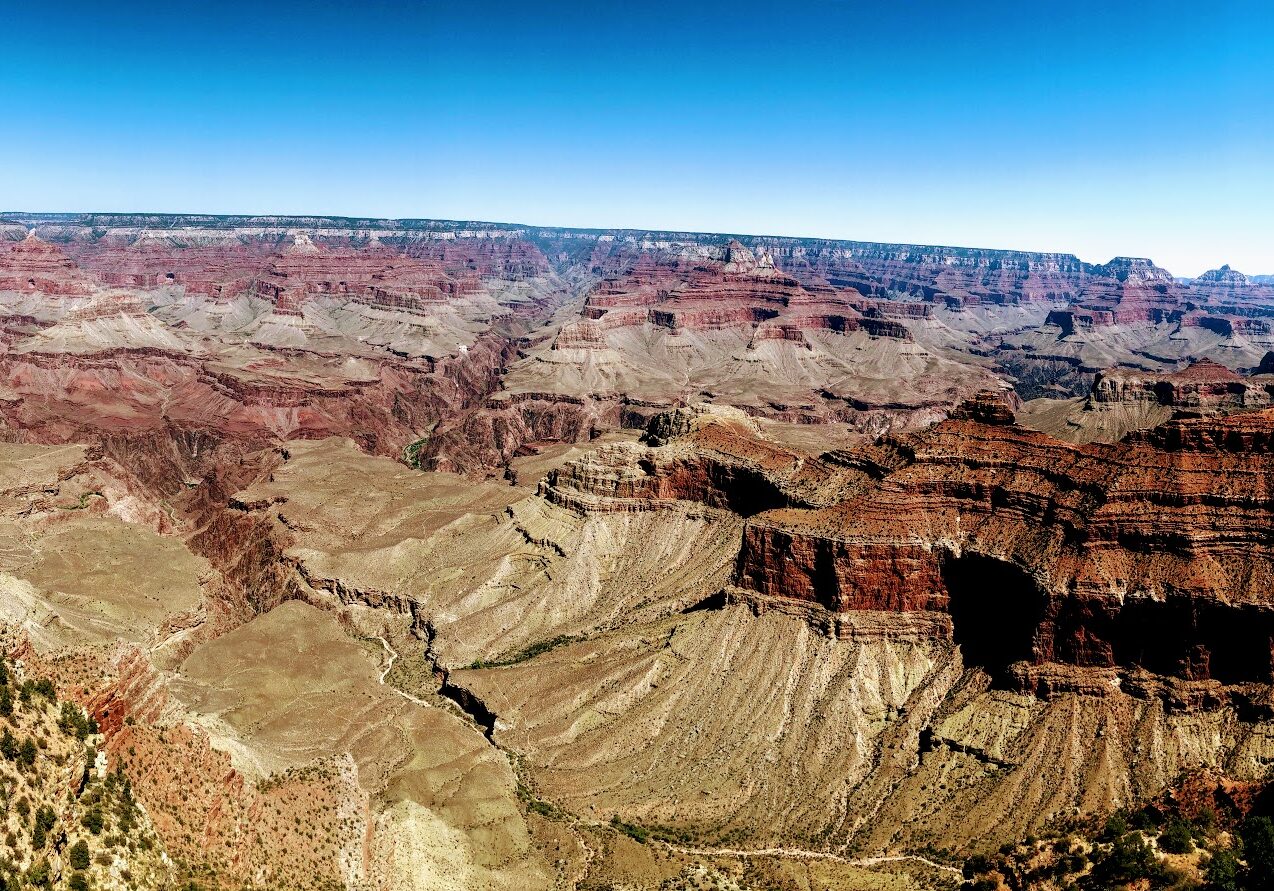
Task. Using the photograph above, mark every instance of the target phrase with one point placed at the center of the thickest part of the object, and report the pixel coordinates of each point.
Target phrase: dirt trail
(384, 672)
(801, 854)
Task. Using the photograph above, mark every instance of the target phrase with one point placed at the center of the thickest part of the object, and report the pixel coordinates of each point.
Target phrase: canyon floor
(408, 554)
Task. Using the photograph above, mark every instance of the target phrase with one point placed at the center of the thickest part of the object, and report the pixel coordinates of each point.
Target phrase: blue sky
(1094, 128)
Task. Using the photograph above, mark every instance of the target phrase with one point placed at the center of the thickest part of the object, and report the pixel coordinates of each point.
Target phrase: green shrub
(1128, 860)
(73, 722)
(44, 821)
(1258, 850)
(27, 753)
(38, 875)
(1116, 826)
(1223, 872)
(1175, 838)
(632, 830)
(527, 653)
(976, 865)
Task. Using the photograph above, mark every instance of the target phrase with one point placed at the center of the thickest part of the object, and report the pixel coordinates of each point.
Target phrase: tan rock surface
(293, 688)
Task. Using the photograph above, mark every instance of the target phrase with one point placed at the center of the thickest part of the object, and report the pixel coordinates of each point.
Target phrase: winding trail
(384, 672)
(802, 854)
(393, 657)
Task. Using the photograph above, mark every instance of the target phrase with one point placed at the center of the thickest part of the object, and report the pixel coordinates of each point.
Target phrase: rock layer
(1147, 554)
(1150, 554)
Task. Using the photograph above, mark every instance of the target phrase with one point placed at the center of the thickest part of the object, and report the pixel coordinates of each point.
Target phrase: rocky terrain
(69, 821)
(377, 554)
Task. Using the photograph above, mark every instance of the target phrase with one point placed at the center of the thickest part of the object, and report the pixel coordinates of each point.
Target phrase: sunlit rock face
(34, 266)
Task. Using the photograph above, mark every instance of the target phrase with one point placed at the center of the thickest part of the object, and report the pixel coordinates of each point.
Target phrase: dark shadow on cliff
(996, 609)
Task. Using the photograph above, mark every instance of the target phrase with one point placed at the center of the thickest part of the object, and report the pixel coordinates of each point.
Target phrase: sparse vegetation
(1153, 849)
(46, 825)
(527, 653)
(82, 503)
(74, 721)
(537, 805)
(411, 454)
(645, 833)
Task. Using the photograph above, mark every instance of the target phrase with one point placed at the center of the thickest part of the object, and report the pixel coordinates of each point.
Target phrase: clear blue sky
(1095, 128)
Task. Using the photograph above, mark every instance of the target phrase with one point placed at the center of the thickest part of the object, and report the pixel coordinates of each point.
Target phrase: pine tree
(79, 855)
(27, 753)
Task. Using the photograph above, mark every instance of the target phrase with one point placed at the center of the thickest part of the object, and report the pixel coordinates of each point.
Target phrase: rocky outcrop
(1132, 291)
(1150, 555)
(374, 275)
(510, 258)
(507, 425)
(1125, 291)
(952, 277)
(131, 392)
(988, 407)
(1231, 288)
(685, 288)
(1147, 554)
(707, 454)
(35, 266)
(383, 336)
(1123, 400)
(218, 270)
(1204, 387)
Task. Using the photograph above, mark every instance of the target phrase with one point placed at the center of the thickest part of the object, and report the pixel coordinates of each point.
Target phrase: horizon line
(599, 230)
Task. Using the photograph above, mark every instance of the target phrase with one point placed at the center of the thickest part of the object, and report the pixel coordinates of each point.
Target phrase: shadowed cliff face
(996, 609)
(1179, 637)
(1000, 615)
(1150, 554)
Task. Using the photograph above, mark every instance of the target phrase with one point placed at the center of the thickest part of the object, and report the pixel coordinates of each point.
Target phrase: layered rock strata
(1150, 554)
(706, 289)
